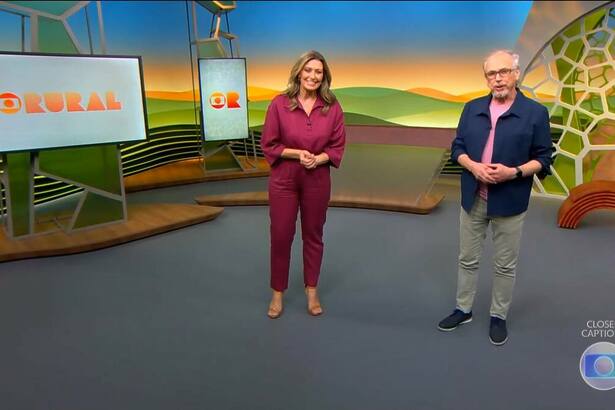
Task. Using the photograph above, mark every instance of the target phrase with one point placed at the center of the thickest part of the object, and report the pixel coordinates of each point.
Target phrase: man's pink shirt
(496, 110)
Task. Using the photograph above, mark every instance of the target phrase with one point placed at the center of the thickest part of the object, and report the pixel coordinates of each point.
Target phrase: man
(503, 139)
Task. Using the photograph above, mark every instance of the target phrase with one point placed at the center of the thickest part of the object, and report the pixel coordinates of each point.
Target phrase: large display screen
(224, 102)
(51, 101)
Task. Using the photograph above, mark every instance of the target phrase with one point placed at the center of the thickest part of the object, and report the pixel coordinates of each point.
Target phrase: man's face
(501, 75)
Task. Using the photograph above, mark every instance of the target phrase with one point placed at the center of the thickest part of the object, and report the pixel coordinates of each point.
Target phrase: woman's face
(311, 75)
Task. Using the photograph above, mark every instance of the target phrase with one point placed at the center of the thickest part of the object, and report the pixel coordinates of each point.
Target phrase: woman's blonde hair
(294, 84)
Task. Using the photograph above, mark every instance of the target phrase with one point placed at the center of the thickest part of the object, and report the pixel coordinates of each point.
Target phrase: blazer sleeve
(542, 147)
(458, 146)
(337, 142)
(271, 142)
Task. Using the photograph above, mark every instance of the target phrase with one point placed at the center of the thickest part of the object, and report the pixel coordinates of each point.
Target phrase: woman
(303, 134)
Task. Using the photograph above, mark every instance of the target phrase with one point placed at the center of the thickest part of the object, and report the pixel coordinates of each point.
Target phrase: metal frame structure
(34, 169)
(218, 10)
(34, 14)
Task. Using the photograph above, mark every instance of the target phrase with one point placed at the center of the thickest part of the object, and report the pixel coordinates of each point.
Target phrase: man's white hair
(511, 53)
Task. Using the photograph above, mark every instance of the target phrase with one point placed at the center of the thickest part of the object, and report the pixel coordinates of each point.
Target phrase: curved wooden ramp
(143, 220)
(424, 206)
(190, 171)
(583, 199)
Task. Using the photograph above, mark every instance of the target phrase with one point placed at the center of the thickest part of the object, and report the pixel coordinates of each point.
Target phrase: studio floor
(178, 320)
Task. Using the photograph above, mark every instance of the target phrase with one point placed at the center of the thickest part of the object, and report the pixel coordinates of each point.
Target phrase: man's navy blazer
(521, 134)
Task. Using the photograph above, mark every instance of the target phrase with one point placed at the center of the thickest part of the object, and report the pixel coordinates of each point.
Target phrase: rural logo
(34, 103)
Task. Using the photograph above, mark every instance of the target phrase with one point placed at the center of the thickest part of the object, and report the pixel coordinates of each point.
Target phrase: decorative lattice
(574, 76)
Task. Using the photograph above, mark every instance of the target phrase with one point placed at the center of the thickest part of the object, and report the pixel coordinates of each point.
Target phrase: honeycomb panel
(574, 75)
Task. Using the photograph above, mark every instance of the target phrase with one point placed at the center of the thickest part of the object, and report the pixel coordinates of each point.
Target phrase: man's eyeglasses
(503, 72)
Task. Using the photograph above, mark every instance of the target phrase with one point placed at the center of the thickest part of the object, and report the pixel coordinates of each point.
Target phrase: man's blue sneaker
(455, 319)
(497, 331)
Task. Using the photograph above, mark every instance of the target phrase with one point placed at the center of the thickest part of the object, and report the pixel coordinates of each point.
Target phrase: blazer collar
(515, 109)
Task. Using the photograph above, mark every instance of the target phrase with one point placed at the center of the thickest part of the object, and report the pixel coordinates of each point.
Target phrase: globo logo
(54, 102)
(220, 100)
(9, 103)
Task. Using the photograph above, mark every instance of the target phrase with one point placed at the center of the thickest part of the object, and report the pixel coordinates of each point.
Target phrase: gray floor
(177, 321)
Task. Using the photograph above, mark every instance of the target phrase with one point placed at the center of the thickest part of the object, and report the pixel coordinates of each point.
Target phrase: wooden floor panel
(189, 172)
(143, 220)
(425, 205)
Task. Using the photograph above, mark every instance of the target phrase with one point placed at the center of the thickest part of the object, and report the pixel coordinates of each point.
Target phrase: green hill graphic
(384, 106)
(362, 106)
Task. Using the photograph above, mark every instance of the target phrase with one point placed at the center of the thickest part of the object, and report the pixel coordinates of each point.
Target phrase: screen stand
(95, 201)
(250, 162)
(220, 159)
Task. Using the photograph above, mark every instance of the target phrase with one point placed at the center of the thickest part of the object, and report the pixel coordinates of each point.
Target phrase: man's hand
(482, 172)
(500, 173)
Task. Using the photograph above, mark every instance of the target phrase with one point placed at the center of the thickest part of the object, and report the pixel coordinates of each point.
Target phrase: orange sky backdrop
(458, 78)
(167, 76)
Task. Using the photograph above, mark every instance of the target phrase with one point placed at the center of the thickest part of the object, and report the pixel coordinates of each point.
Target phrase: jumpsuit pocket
(321, 177)
(282, 176)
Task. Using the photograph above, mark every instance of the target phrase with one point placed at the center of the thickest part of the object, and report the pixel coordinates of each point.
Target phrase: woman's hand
(319, 159)
(307, 159)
